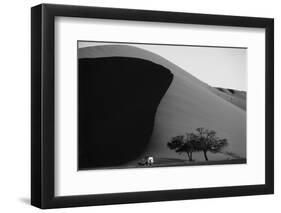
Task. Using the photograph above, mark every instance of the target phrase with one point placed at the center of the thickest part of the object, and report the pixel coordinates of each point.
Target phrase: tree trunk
(205, 155)
(189, 154)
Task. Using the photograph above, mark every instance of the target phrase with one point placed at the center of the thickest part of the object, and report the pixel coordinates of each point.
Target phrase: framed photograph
(140, 106)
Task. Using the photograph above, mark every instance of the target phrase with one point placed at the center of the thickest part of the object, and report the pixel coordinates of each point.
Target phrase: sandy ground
(170, 162)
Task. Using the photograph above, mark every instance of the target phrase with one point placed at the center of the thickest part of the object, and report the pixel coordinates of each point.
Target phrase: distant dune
(235, 97)
(188, 104)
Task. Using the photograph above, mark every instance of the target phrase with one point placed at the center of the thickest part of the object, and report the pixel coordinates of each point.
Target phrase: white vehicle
(147, 161)
(150, 160)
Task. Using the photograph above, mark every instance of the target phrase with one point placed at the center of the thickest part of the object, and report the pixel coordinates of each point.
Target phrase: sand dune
(118, 99)
(188, 103)
(235, 97)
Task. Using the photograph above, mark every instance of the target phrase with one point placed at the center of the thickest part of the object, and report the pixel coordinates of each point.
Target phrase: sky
(216, 66)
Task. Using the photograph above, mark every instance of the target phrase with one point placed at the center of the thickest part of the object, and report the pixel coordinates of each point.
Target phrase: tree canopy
(202, 140)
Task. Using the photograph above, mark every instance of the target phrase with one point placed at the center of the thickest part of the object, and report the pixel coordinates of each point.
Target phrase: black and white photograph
(150, 105)
(143, 105)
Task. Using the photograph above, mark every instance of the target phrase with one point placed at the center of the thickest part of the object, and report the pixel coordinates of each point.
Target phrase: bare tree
(180, 144)
(209, 141)
(202, 140)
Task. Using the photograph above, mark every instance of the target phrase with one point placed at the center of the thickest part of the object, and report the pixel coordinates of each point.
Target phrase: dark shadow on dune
(118, 99)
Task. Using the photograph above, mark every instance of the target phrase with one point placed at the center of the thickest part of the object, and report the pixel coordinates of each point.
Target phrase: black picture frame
(43, 101)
